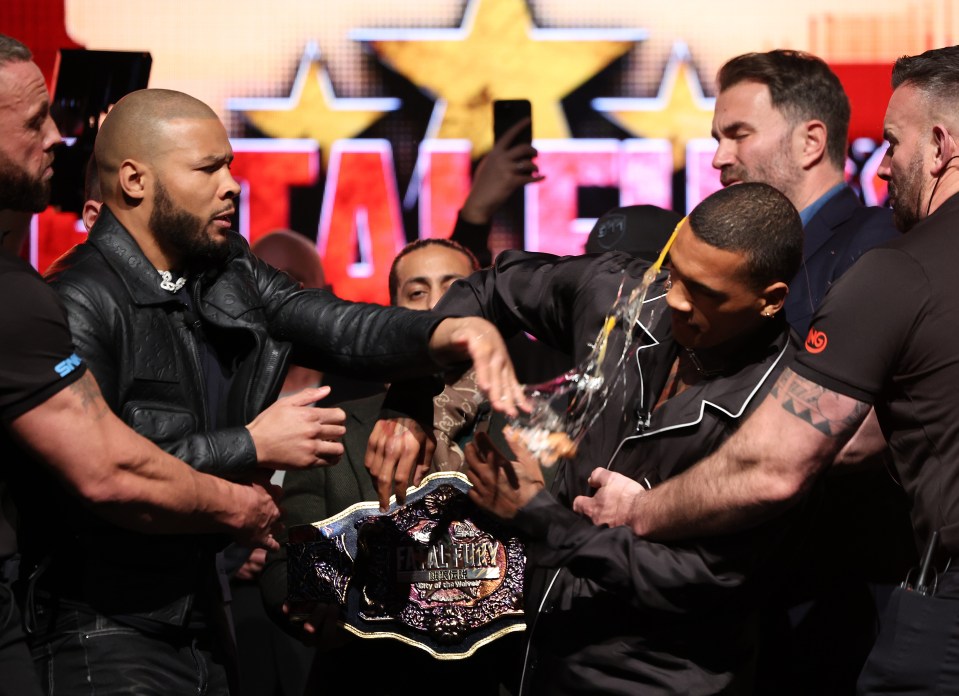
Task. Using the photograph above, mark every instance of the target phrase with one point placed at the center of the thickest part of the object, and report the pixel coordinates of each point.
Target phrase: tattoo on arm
(91, 400)
(828, 412)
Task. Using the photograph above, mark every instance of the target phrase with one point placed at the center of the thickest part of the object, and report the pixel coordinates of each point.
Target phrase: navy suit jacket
(837, 235)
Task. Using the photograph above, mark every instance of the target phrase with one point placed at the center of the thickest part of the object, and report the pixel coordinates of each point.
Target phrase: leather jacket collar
(127, 260)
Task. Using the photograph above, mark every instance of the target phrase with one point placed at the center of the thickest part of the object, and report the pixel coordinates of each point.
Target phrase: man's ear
(773, 298)
(91, 211)
(814, 142)
(132, 179)
(946, 149)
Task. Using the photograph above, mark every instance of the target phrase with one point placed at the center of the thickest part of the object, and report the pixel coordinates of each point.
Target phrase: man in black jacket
(607, 611)
(189, 336)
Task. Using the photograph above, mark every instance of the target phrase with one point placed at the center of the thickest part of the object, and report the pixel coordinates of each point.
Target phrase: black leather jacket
(140, 341)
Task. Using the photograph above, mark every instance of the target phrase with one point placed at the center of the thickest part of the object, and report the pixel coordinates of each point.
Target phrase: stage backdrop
(359, 123)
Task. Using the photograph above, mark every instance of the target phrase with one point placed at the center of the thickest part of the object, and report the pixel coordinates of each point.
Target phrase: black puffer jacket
(140, 341)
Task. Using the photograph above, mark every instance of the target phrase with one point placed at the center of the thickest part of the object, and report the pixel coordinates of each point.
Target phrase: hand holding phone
(508, 165)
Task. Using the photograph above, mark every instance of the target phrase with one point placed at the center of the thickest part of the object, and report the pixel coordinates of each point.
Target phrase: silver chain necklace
(166, 281)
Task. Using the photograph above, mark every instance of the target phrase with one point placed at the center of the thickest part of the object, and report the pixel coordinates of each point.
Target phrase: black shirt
(36, 351)
(888, 334)
(36, 357)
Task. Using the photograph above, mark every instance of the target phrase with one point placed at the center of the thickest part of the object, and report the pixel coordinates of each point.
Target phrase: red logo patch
(816, 341)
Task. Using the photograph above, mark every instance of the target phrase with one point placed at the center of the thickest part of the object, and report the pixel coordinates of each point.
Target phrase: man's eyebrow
(705, 289)
(693, 284)
(729, 128)
(426, 280)
(39, 114)
(215, 159)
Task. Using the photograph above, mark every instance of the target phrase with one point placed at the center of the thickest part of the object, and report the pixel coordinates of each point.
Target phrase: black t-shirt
(36, 357)
(36, 352)
(888, 334)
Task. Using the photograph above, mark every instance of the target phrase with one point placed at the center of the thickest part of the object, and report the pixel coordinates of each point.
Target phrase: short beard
(904, 216)
(20, 192)
(182, 233)
(780, 172)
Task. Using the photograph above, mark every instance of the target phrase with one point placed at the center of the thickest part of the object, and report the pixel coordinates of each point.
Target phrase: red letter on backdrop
(361, 229)
(266, 168)
(52, 234)
(641, 169)
(646, 172)
(444, 174)
(552, 224)
(701, 179)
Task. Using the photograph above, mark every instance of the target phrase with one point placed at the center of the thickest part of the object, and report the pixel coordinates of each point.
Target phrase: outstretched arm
(674, 578)
(762, 469)
(129, 480)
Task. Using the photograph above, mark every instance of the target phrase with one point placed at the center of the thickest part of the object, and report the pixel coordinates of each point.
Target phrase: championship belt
(435, 573)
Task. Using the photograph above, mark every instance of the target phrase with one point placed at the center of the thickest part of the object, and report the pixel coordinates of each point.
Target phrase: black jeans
(81, 653)
(18, 677)
(917, 652)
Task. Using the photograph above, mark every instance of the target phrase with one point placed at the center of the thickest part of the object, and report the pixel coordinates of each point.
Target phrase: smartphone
(506, 113)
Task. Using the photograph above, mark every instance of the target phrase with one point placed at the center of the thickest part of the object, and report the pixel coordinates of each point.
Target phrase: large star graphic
(497, 53)
(678, 113)
(313, 110)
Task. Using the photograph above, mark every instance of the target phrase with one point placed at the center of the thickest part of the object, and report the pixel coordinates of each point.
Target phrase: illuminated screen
(358, 124)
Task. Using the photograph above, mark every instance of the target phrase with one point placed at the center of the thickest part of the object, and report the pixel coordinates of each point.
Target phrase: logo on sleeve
(816, 341)
(65, 367)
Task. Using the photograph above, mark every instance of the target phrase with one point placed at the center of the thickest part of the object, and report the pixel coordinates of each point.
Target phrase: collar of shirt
(807, 213)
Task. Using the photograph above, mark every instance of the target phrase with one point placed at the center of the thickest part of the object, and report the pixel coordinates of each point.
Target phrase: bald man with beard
(189, 336)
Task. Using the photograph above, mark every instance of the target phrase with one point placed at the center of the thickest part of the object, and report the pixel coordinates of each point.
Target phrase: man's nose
(724, 154)
(884, 171)
(51, 134)
(231, 187)
(677, 299)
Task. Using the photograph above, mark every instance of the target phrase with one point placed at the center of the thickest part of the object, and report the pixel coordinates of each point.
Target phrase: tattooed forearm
(91, 400)
(830, 413)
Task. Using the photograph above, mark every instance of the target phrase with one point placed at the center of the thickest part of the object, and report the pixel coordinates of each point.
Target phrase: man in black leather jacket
(189, 336)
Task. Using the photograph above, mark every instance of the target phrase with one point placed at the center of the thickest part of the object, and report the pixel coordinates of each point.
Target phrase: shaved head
(292, 253)
(164, 161)
(136, 129)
